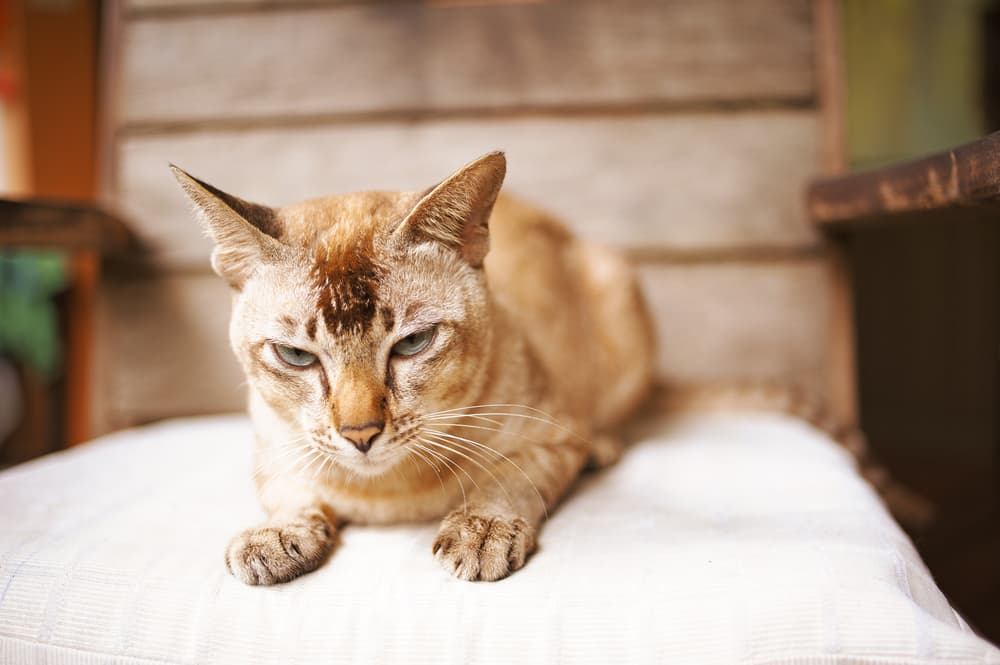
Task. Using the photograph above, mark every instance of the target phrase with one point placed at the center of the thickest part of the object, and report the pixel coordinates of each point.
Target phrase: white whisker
(445, 446)
(552, 423)
(493, 406)
(498, 430)
(444, 460)
(429, 463)
(541, 499)
(314, 456)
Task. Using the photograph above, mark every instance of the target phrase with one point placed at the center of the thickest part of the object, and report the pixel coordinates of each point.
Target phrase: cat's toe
(479, 547)
(275, 554)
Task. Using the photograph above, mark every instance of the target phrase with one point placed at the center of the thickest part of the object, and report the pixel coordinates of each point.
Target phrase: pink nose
(362, 437)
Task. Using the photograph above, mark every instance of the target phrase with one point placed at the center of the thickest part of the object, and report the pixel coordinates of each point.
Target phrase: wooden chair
(697, 173)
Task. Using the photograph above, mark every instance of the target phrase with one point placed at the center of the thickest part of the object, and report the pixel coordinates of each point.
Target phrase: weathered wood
(166, 7)
(85, 273)
(742, 321)
(159, 7)
(828, 30)
(842, 370)
(965, 176)
(422, 57)
(165, 350)
(841, 359)
(687, 181)
(166, 347)
(40, 224)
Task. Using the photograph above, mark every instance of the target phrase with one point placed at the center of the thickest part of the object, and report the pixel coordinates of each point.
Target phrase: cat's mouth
(375, 462)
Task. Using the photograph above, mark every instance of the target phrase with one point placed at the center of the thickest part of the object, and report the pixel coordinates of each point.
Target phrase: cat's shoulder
(517, 220)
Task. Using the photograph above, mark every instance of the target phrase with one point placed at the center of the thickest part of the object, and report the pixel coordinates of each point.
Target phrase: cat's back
(580, 306)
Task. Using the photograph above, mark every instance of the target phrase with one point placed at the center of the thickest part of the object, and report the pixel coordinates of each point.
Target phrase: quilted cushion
(733, 538)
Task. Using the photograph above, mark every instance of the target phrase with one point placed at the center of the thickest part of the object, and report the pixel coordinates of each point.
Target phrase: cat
(452, 354)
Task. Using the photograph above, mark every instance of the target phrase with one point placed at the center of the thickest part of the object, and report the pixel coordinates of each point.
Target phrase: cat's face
(354, 316)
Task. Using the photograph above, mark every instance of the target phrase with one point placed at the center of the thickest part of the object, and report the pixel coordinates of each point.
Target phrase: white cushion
(718, 539)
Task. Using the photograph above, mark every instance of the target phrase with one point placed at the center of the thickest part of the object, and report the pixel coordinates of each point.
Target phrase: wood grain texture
(685, 181)
(417, 56)
(743, 321)
(831, 93)
(171, 355)
(166, 350)
(146, 6)
(965, 176)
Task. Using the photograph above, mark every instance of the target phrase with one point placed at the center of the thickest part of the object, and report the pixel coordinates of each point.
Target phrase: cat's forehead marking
(342, 233)
(388, 318)
(345, 277)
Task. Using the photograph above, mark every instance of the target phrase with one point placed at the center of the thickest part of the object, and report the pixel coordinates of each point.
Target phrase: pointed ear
(245, 234)
(456, 213)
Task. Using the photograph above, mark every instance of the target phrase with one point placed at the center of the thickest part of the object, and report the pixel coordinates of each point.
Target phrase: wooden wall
(682, 131)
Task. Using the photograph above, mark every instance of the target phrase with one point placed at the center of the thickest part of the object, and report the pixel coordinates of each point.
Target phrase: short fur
(542, 347)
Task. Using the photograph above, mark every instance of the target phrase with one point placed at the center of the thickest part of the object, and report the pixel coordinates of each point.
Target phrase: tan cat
(417, 355)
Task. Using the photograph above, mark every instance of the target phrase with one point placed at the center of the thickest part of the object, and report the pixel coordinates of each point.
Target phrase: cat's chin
(369, 468)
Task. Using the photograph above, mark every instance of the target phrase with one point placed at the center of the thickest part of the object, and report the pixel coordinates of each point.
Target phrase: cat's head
(354, 315)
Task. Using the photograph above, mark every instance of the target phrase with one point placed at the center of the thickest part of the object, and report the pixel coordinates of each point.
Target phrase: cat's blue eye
(413, 344)
(294, 357)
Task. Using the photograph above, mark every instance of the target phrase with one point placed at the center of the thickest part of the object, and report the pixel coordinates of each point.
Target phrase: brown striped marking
(346, 278)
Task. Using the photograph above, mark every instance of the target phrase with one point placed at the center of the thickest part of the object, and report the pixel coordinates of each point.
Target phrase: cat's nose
(362, 436)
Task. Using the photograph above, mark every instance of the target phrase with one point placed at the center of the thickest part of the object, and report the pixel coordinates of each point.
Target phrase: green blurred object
(914, 77)
(29, 322)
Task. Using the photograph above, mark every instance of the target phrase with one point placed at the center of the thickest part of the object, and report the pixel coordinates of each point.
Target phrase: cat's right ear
(456, 213)
(245, 234)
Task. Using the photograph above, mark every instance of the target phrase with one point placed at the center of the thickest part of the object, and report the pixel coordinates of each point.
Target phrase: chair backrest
(682, 132)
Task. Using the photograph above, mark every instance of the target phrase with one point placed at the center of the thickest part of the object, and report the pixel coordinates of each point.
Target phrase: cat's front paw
(483, 547)
(281, 552)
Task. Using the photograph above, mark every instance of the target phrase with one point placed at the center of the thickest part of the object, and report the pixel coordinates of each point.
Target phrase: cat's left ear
(246, 234)
(456, 212)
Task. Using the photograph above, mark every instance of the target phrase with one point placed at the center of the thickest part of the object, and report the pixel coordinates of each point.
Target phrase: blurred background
(682, 131)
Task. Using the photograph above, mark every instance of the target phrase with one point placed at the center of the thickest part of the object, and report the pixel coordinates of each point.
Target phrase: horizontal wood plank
(418, 57)
(688, 181)
(742, 320)
(167, 350)
(140, 7)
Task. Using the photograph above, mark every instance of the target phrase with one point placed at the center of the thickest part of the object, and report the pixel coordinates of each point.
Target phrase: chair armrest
(967, 177)
(87, 235)
(46, 225)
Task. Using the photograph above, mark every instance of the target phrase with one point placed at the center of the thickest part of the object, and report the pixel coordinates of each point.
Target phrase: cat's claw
(279, 553)
(482, 547)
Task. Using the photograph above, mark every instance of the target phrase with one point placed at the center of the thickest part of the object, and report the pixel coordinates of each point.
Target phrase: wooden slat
(171, 356)
(166, 351)
(842, 360)
(143, 7)
(830, 93)
(426, 57)
(688, 182)
(42, 224)
(742, 321)
(965, 176)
